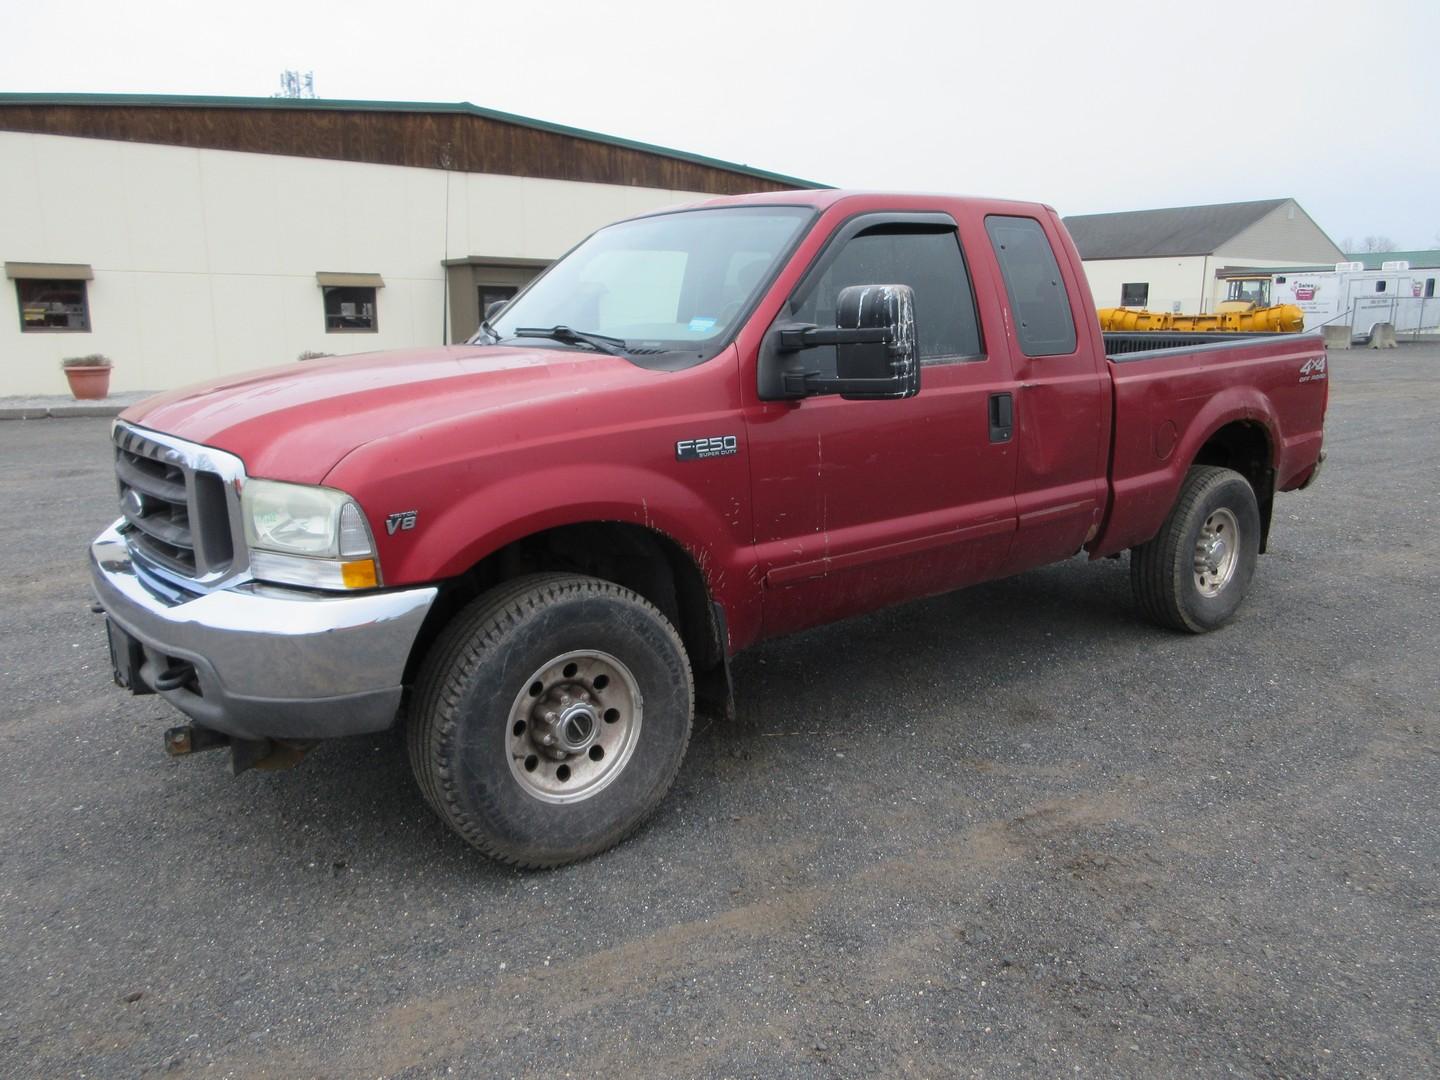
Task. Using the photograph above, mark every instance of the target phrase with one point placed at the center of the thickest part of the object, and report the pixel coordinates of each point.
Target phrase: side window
(1043, 322)
(929, 260)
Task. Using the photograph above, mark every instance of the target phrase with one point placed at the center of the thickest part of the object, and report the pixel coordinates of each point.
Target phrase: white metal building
(1176, 259)
(190, 237)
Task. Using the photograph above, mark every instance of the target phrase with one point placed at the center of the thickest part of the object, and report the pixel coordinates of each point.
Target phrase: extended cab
(699, 429)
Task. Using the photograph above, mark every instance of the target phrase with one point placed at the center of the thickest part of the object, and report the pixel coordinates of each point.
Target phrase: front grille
(176, 510)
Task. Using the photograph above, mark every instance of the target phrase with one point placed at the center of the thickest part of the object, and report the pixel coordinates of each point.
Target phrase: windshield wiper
(614, 346)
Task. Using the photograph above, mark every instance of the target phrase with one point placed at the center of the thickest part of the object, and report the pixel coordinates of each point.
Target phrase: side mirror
(494, 308)
(876, 352)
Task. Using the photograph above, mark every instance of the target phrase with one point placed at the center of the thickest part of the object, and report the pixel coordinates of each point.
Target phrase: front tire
(551, 718)
(1195, 573)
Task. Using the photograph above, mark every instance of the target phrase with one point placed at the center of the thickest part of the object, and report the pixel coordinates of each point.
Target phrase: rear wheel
(551, 717)
(1195, 573)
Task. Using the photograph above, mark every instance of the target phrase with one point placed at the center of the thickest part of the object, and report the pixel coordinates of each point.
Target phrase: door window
(929, 260)
(1043, 323)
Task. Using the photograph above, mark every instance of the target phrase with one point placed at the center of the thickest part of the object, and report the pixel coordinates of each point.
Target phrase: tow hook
(173, 678)
(245, 754)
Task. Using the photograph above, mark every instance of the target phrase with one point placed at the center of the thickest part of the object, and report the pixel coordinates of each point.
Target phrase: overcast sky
(1087, 106)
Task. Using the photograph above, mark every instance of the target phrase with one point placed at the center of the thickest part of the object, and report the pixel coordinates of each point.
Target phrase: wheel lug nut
(548, 739)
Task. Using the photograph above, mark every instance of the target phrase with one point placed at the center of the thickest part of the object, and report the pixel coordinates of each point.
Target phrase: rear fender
(1145, 484)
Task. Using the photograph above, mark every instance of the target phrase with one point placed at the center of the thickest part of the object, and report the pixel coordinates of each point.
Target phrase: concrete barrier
(1382, 336)
(1337, 337)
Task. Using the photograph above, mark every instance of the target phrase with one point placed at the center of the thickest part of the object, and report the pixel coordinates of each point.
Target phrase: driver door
(859, 504)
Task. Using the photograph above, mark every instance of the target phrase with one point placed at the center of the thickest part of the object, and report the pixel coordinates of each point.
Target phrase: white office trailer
(189, 237)
(1350, 295)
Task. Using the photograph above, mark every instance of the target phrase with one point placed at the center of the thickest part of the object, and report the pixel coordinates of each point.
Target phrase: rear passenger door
(864, 503)
(1062, 425)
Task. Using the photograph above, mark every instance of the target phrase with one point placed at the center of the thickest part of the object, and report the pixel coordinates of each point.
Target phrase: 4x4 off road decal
(714, 446)
(1313, 370)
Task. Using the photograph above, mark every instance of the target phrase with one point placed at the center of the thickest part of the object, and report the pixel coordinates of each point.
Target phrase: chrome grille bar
(180, 502)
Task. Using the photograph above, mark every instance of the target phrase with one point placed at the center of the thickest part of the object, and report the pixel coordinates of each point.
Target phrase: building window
(350, 308)
(350, 304)
(1379, 286)
(1136, 294)
(1429, 287)
(47, 304)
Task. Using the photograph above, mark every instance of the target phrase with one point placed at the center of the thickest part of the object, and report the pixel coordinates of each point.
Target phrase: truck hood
(296, 422)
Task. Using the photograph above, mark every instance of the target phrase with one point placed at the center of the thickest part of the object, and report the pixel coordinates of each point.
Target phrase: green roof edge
(347, 105)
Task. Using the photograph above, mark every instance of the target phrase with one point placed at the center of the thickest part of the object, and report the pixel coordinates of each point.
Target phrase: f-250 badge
(1313, 370)
(714, 446)
(403, 520)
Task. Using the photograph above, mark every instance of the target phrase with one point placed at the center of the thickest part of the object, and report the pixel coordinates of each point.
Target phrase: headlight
(299, 534)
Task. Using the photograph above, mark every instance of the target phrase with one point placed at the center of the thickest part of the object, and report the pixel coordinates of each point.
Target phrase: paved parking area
(1010, 832)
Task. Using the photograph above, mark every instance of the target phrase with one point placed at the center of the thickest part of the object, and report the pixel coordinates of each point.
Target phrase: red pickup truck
(698, 429)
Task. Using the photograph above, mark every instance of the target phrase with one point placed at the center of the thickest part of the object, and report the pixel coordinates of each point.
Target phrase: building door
(494, 294)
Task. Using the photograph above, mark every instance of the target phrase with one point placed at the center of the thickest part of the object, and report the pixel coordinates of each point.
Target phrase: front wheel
(551, 717)
(1194, 574)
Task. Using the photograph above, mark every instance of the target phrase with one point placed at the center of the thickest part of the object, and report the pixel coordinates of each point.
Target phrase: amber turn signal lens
(359, 574)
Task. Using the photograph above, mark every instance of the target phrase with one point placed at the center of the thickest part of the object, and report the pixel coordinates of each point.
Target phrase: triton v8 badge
(715, 446)
(404, 520)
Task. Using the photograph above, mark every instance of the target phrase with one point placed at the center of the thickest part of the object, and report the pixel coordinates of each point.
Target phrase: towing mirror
(876, 356)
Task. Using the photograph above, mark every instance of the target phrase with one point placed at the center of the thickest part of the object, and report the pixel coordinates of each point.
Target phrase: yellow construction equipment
(1234, 315)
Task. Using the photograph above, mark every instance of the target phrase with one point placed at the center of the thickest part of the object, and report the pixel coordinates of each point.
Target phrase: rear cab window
(1044, 324)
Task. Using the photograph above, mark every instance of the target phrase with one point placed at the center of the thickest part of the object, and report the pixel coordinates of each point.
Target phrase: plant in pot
(89, 376)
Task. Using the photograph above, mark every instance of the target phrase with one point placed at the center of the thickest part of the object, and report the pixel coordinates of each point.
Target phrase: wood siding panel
(430, 140)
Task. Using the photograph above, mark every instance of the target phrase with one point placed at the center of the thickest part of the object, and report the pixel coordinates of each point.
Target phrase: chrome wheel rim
(1217, 551)
(574, 726)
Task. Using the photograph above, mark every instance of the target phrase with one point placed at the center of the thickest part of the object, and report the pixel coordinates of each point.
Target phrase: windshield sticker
(701, 323)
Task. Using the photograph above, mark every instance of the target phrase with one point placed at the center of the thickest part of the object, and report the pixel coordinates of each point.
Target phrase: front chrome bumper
(269, 662)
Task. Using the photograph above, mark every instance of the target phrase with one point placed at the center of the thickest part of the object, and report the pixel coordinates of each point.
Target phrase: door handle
(1002, 418)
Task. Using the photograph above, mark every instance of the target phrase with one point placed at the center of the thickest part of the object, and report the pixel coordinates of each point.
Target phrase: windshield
(672, 283)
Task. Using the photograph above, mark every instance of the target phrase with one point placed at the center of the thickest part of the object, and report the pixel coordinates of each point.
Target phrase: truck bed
(1173, 390)
(1123, 345)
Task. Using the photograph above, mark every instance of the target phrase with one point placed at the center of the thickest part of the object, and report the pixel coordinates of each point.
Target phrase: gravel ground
(1009, 832)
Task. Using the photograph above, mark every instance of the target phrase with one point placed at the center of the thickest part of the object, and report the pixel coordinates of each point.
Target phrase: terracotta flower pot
(88, 383)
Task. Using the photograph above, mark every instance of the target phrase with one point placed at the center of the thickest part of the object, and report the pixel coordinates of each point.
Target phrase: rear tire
(551, 717)
(1195, 573)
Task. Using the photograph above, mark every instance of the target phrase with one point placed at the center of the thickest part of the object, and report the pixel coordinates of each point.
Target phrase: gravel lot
(1009, 832)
